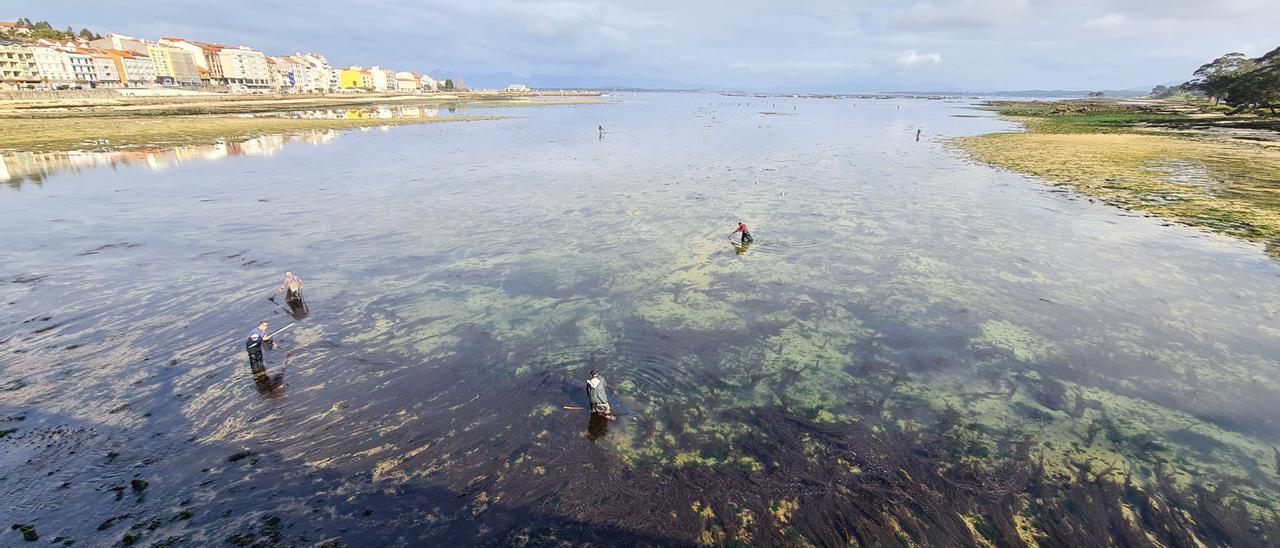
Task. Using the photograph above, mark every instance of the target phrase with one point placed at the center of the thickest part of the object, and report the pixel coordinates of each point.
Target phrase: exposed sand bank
(1151, 163)
(143, 122)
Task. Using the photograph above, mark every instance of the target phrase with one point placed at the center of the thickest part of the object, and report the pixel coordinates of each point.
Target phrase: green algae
(1022, 343)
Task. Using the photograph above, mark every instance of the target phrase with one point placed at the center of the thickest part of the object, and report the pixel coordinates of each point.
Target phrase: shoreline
(1197, 169)
(131, 123)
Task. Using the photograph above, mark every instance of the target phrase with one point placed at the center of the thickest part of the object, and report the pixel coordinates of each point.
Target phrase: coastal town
(35, 57)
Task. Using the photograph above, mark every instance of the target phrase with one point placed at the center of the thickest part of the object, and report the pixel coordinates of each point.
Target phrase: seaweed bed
(918, 350)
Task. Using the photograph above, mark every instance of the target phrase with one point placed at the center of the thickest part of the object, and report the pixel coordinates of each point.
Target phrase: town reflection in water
(377, 113)
(19, 167)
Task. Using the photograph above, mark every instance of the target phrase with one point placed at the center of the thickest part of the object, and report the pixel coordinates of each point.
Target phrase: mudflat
(1208, 171)
(147, 122)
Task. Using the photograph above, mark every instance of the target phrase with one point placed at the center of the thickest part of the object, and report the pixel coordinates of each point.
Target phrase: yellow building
(355, 78)
(17, 66)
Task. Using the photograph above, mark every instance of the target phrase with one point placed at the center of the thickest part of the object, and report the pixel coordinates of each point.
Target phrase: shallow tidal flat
(141, 123)
(918, 350)
(1231, 186)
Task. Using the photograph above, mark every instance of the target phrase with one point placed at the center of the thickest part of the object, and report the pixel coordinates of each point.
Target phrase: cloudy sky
(793, 45)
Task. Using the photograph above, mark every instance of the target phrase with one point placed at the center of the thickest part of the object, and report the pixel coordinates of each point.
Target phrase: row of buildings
(116, 61)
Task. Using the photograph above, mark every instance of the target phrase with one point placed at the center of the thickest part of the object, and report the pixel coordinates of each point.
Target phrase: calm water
(462, 279)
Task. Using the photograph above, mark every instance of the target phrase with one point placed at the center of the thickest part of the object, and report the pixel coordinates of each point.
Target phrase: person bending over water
(746, 235)
(597, 397)
(292, 288)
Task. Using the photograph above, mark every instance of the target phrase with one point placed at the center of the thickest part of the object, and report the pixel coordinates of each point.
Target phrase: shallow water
(462, 279)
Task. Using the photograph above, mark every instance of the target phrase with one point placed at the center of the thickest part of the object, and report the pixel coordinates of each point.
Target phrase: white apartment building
(105, 69)
(244, 66)
(429, 83)
(317, 75)
(138, 69)
(301, 73)
(82, 68)
(407, 81)
(383, 79)
(53, 67)
(335, 79)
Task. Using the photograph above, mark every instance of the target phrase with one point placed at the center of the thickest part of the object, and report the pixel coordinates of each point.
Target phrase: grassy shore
(145, 122)
(1185, 164)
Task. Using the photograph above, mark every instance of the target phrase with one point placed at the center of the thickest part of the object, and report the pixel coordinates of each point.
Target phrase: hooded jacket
(595, 392)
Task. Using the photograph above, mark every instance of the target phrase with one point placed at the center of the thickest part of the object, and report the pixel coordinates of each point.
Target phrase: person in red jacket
(746, 236)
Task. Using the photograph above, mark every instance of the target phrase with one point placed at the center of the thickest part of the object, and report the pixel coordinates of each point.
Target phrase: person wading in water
(597, 397)
(292, 288)
(746, 235)
(253, 345)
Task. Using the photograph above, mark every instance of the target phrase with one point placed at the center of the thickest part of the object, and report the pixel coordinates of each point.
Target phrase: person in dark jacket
(253, 345)
(597, 397)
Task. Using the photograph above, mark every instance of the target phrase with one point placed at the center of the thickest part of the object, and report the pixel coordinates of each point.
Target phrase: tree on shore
(448, 83)
(1261, 86)
(1216, 77)
(1165, 92)
(1240, 81)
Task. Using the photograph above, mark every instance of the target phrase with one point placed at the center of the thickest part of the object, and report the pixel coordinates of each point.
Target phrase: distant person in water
(746, 235)
(258, 338)
(292, 288)
(597, 397)
(918, 135)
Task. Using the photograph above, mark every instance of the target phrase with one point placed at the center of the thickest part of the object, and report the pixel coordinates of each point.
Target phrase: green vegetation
(1240, 81)
(1090, 116)
(26, 30)
(1188, 162)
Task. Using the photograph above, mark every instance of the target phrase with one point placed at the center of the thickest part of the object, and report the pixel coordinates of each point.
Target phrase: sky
(749, 45)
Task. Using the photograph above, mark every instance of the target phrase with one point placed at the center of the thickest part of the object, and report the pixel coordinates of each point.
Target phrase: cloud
(910, 57)
(1107, 21)
(950, 15)
(815, 45)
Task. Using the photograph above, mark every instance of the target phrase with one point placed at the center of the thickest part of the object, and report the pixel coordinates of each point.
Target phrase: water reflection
(597, 427)
(19, 167)
(267, 384)
(362, 113)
